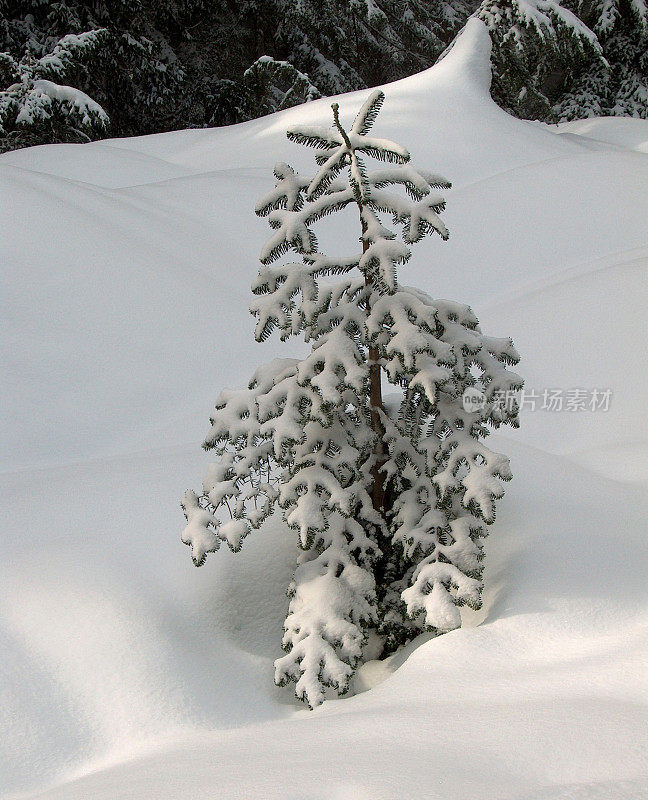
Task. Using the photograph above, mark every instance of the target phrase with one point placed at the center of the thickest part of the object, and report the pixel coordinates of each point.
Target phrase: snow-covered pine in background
(620, 86)
(540, 48)
(36, 105)
(388, 500)
(106, 50)
(275, 85)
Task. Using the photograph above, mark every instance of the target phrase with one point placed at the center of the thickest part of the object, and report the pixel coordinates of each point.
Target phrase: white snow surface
(126, 672)
(625, 132)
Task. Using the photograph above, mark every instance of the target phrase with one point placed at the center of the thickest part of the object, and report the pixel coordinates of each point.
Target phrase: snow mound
(95, 164)
(623, 132)
(126, 673)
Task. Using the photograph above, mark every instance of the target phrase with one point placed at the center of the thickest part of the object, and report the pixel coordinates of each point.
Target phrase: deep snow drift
(127, 673)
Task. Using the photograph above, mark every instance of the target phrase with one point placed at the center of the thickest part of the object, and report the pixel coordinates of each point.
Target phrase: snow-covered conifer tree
(388, 498)
(540, 47)
(276, 85)
(37, 106)
(619, 84)
(70, 69)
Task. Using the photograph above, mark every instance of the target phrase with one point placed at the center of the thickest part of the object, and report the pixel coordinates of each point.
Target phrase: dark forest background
(146, 66)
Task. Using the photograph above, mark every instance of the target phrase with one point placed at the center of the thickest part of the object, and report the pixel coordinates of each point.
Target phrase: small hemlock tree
(388, 497)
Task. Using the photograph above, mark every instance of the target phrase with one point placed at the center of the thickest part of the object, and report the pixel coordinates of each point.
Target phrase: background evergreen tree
(389, 500)
(619, 86)
(38, 106)
(122, 62)
(274, 85)
(540, 48)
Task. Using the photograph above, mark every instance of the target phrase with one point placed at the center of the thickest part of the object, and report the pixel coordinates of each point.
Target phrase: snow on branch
(44, 97)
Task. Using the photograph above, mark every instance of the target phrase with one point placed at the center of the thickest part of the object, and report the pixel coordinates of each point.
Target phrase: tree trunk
(376, 404)
(375, 407)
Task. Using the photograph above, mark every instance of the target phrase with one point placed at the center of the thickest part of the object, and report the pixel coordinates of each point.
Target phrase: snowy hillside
(126, 672)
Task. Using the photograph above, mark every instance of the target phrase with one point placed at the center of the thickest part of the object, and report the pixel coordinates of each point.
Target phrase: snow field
(126, 673)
